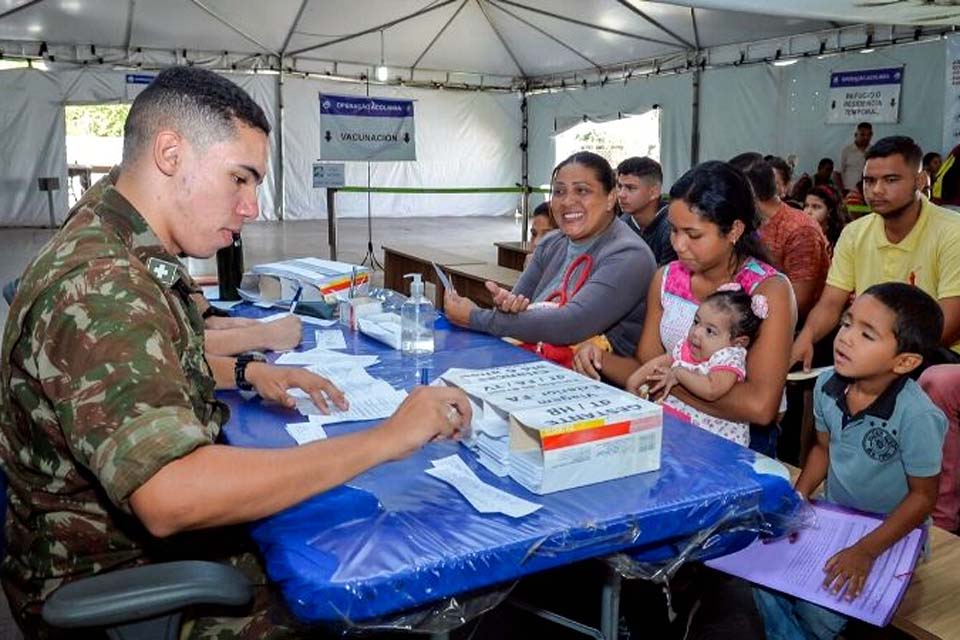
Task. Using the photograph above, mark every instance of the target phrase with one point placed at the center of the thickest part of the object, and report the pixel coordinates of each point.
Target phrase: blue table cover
(394, 538)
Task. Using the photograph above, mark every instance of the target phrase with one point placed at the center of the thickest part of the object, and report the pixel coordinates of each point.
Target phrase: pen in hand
(296, 299)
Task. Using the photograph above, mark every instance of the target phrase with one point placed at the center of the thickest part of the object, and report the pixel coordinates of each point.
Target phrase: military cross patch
(166, 272)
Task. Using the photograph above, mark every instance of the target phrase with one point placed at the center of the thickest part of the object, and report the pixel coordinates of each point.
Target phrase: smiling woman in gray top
(612, 298)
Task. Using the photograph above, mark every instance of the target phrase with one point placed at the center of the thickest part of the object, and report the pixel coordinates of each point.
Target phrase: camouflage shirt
(102, 383)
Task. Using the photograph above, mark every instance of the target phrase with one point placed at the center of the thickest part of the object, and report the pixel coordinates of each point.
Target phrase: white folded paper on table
(384, 327)
(318, 356)
(330, 339)
(304, 432)
(480, 495)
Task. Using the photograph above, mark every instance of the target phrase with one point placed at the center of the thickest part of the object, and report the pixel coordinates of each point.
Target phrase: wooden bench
(470, 281)
(929, 608)
(401, 260)
(513, 255)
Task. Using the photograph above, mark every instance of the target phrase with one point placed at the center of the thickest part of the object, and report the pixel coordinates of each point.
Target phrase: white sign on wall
(361, 128)
(137, 82)
(871, 95)
(329, 174)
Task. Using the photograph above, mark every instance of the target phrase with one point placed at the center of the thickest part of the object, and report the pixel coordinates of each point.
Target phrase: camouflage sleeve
(108, 363)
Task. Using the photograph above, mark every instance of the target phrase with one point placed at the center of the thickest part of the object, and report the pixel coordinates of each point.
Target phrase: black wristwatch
(240, 369)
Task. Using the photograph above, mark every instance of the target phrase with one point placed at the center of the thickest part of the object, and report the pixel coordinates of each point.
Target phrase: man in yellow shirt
(905, 239)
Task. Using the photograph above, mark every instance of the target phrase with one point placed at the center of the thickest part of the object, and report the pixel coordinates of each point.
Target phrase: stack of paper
(480, 495)
(384, 327)
(577, 443)
(278, 282)
(496, 393)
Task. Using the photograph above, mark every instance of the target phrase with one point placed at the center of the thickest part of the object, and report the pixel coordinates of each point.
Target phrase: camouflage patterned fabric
(103, 382)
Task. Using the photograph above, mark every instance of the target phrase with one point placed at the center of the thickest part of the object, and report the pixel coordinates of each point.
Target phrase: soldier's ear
(167, 151)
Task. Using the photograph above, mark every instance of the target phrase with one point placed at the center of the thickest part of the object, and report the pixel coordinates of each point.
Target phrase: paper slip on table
(512, 255)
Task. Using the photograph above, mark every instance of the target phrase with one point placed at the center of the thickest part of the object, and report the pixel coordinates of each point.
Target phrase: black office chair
(142, 603)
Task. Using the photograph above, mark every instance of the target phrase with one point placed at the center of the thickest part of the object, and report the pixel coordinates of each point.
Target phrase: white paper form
(304, 432)
(325, 357)
(369, 406)
(369, 398)
(480, 495)
(304, 319)
(330, 339)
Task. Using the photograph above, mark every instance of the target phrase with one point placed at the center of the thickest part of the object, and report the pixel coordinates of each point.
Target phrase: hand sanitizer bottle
(416, 320)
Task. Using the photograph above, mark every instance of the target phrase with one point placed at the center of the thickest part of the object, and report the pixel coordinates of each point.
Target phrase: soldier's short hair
(199, 104)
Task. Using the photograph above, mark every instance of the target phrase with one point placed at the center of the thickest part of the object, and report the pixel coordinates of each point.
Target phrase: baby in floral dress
(712, 358)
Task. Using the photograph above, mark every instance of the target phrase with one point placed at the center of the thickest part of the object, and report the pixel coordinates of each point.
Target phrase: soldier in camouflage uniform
(224, 336)
(108, 419)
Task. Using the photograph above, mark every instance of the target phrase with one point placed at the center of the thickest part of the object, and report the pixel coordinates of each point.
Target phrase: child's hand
(848, 568)
(664, 379)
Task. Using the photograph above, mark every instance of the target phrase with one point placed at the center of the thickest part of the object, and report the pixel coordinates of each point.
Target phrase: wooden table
(929, 607)
(400, 260)
(512, 255)
(469, 281)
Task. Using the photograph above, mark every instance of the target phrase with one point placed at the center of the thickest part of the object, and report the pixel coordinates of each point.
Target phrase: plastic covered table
(395, 538)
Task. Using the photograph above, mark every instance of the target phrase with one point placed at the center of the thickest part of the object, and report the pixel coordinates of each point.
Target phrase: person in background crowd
(931, 164)
(783, 173)
(852, 158)
(824, 206)
(541, 223)
(906, 239)
(794, 242)
(639, 184)
(823, 175)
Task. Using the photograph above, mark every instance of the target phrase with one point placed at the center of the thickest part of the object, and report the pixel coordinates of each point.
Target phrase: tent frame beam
(503, 41)
(379, 27)
(293, 28)
(589, 25)
(25, 5)
(548, 35)
(437, 37)
(643, 14)
(233, 27)
(696, 30)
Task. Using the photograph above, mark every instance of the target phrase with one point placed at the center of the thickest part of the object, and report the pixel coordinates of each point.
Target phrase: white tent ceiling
(489, 42)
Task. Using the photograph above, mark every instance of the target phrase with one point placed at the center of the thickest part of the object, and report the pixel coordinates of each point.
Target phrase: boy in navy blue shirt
(879, 443)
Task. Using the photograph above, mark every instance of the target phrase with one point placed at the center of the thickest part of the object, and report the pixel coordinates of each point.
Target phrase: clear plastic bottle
(416, 320)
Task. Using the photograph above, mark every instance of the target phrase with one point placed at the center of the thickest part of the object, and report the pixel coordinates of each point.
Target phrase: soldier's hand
(282, 334)
(428, 413)
(218, 322)
(272, 383)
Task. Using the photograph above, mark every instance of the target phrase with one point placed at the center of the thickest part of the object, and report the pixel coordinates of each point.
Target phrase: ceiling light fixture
(382, 72)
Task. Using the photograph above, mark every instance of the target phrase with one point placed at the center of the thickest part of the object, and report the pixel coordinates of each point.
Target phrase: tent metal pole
(524, 168)
(279, 177)
(695, 133)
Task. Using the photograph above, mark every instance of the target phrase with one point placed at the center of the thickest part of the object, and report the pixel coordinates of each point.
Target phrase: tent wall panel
(765, 108)
(674, 95)
(32, 145)
(464, 139)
